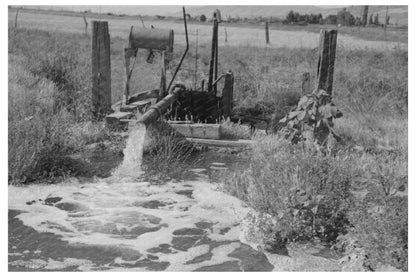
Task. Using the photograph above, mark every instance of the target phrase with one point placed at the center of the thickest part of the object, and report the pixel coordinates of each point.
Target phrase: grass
(167, 153)
(49, 115)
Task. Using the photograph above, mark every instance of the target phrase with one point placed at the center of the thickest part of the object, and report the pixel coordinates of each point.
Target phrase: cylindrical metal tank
(155, 39)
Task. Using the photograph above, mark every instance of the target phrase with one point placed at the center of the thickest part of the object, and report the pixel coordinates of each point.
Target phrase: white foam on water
(96, 212)
(119, 203)
(133, 153)
(83, 265)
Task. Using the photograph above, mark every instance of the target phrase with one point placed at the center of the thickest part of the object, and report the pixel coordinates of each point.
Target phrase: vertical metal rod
(196, 59)
(216, 59)
(184, 54)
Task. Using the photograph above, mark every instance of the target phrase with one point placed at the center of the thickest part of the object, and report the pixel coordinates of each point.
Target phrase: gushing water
(133, 153)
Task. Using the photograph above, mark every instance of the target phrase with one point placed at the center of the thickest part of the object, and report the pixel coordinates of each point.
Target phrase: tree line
(343, 17)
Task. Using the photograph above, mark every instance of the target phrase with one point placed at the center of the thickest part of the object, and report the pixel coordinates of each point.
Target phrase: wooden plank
(221, 143)
(139, 96)
(205, 131)
(135, 105)
(326, 62)
(101, 69)
(179, 122)
(227, 94)
(162, 90)
(114, 120)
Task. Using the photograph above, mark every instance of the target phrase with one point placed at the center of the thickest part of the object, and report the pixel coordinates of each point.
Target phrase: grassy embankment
(352, 199)
(350, 195)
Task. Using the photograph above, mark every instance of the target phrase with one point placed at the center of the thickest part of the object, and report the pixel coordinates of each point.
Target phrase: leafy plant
(312, 120)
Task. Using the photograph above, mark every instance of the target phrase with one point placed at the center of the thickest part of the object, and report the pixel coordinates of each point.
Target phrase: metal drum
(155, 39)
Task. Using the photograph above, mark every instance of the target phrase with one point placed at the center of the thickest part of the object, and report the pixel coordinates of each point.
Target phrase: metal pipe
(157, 110)
(184, 54)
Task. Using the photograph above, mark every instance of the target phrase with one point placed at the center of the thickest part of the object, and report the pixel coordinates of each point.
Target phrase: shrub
(381, 231)
(380, 218)
(307, 193)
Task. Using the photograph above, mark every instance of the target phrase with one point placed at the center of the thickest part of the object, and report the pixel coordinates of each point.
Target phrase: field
(354, 194)
(280, 36)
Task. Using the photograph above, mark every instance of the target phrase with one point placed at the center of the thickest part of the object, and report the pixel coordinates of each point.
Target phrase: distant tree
(345, 18)
(376, 20)
(290, 17)
(203, 18)
(296, 15)
(331, 19)
(370, 21)
(357, 21)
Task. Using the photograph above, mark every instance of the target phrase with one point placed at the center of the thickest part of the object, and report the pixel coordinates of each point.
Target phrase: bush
(381, 231)
(380, 218)
(307, 193)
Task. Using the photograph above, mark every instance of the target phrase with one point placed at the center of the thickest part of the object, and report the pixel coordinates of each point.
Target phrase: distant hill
(398, 14)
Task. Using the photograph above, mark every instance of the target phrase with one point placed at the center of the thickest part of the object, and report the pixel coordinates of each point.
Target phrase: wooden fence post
(326, 62)
(227, 94)
(306, 83)
(226, 35)
(101, 69)
(267, 33)
(364, 16)
(86, 24)
(212, 66)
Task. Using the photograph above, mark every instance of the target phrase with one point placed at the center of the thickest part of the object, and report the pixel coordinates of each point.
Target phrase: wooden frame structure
(158, 40)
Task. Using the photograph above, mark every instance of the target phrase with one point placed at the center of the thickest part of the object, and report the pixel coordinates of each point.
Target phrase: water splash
(133, 153)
